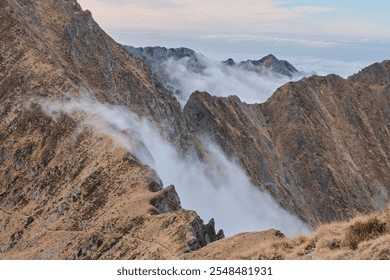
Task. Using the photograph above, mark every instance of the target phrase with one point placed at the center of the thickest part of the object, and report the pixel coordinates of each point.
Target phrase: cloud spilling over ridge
(219, 190)
(221, 80)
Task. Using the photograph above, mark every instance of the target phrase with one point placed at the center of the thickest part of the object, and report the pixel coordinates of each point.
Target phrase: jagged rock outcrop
(319, 146)
(68, 191)
(362, 238)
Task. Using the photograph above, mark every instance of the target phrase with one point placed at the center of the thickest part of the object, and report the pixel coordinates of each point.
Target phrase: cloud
(328, 66)
(200, 15)
(150, 4)
(304, 42)
(220, 80)
(219, 190)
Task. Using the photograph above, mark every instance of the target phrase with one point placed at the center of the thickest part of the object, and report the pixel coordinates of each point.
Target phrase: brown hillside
(362, 238)
(319, 146)
(66, 191)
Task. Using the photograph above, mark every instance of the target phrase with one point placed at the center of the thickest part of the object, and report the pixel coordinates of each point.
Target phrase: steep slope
(68, 191)
(57, 43)
(319, 146)
(378, 73)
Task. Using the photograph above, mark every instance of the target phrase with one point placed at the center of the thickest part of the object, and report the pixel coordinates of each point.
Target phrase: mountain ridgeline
(319, 146)
(68, 191)
(161, 61)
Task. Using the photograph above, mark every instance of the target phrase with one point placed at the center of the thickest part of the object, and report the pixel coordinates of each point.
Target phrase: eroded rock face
(319, 146)
(68, 191)
(57, 50)
(378, 73)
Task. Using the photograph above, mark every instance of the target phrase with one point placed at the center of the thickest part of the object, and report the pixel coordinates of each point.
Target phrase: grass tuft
(364, 230)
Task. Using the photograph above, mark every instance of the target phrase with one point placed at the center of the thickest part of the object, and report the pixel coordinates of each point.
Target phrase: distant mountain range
(158, 58)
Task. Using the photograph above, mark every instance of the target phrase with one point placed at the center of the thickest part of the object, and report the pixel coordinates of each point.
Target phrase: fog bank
(219, 190)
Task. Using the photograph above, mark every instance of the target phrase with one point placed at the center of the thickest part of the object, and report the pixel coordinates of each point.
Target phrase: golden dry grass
(366, 237)
(364, 230)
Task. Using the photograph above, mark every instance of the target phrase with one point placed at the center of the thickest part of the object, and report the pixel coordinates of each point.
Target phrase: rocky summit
(267, 65)
(318, 146)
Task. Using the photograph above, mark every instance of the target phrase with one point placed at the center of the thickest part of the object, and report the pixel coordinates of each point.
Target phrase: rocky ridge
(67, 191)
(267, 65)
(315, 145)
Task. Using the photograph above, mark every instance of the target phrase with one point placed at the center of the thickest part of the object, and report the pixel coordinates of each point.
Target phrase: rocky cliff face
(66, 190)
(315, 145)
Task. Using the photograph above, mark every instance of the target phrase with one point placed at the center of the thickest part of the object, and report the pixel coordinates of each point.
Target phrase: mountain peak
(269, 57)
(229, 62)
(377, 73)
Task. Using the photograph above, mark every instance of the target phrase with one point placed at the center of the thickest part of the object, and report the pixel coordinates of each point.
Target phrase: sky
(326, 36)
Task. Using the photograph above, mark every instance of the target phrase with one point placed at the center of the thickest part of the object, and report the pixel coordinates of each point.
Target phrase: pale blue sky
(314, 34)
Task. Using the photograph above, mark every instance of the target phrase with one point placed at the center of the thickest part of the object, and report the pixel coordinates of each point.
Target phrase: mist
(220, 80)
(220, 190)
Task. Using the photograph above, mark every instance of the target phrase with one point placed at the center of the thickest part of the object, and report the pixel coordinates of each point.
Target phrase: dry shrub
(364, 230)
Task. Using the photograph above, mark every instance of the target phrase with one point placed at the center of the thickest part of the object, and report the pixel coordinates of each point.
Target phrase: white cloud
(220, 80)
(328, 66)
(220, 190)
(305, 42)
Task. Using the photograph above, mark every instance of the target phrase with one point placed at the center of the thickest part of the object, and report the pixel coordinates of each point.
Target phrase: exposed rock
(377, 73)
(315, 145)
(205, 234)
(63, 52)
(267, 65)
(229, 62)
(363, 238)
(68, 191)
(167, 201)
